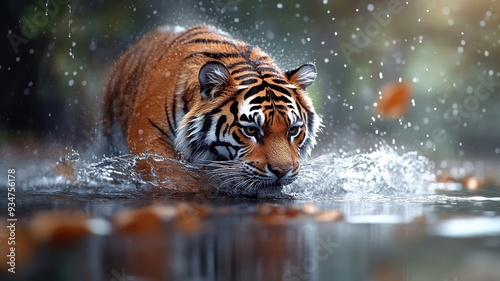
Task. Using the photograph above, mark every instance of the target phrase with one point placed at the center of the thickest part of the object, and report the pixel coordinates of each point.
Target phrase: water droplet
(446, 11)
(71, 82)
(70, 21)
(93, 45)
(279, 6)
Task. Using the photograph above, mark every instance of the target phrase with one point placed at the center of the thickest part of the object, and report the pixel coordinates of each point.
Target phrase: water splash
(383, 172)
(72, 176)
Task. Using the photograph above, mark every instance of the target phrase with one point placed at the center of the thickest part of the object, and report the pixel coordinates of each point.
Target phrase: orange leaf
(394, 100)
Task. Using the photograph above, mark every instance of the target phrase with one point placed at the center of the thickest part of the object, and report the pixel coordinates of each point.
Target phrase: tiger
(201, 96)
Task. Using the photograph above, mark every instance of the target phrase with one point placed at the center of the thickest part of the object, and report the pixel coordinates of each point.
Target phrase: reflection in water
(231, 241)
(396, 226)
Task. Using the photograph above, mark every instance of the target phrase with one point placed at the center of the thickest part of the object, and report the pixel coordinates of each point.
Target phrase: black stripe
(180, 36)
(254, 90)
(245, 118)
(272, 75)
(263, 58)
(262, 99)
(213, 149)
(190, 33)
(255, 107)
(184, 104)
(241, 77)
(280, 89)
(174, 109)
(261, 69)
(249, 82)
(249, 51)
(211, 41)
(170, 125)
(279, 81)
(207, 124)
(167, 47)
(274, 106)
(233, 65)
(246, 68)
(237, 138)
(219, 125)
(234, 109)
(218, 109)
(168, 139)
(299, 109)
(216, 56)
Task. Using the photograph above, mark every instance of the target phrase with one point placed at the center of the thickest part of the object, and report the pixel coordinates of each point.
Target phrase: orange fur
(173, 86)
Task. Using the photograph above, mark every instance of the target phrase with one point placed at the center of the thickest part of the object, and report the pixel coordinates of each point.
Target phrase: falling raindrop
(70, 35)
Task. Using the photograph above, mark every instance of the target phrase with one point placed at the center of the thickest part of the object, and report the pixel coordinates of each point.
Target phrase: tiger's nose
(280, 171)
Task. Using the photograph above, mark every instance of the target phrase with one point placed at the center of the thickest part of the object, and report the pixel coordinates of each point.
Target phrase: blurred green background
(56, 55)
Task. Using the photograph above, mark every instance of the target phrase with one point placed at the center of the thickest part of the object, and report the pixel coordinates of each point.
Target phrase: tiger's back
(200, 95)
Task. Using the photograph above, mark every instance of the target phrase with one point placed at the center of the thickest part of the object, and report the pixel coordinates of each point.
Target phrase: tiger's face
(251, 130)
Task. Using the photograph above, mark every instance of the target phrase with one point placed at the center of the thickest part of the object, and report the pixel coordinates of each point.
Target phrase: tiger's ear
(212, 76)
(303, 76)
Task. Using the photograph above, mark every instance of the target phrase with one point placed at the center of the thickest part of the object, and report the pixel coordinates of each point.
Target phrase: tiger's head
(253, 127)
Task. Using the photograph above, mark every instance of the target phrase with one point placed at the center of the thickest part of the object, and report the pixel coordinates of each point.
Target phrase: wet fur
(190, 94)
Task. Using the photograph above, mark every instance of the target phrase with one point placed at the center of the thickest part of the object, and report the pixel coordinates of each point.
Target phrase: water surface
(397, 223)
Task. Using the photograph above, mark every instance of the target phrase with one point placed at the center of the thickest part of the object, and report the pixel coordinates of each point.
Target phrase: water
(381, 171)
(397, 221)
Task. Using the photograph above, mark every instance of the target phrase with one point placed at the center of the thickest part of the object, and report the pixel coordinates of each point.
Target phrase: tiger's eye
(293, 131)
(251, 131)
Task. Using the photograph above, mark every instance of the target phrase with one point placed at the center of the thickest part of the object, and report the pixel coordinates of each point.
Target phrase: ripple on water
(380, 172)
